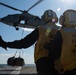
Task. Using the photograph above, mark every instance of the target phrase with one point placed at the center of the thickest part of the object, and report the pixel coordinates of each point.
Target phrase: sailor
(64, 44)
(39, 36)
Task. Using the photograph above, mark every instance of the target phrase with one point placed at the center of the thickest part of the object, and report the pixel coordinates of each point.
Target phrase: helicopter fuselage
(22, 20)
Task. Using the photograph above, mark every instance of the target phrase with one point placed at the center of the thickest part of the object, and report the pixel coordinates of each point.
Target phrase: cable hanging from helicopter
(16, 61)
(15, 20)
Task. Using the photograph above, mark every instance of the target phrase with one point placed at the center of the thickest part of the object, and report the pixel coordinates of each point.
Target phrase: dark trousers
(45, 66)
(71, 72)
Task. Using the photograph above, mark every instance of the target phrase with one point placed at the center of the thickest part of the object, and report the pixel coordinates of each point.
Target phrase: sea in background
(24, 65)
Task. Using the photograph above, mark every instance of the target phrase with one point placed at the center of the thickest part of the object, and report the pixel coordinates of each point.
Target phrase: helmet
(68, 18)
(49, 15)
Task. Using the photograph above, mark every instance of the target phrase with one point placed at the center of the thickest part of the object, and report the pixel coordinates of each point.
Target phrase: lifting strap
(18, 49)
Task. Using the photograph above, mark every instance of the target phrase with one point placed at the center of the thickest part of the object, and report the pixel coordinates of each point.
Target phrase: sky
(9, 33)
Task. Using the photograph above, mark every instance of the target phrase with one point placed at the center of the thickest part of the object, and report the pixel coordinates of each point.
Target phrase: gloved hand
(2, 43)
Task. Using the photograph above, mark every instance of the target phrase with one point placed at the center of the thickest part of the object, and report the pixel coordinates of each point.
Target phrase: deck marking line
(17, 71)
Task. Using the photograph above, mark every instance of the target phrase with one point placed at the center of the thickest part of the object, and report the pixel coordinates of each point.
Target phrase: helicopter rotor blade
(10, 7)
(35, 4)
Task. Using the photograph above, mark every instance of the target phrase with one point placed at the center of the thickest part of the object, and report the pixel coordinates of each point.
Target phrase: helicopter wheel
(15, 25)
(17, 28)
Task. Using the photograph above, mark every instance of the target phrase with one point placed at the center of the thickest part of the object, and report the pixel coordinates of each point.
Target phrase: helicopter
(15, 20)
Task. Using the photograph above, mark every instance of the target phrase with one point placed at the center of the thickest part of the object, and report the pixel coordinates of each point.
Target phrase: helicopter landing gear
(16, 27)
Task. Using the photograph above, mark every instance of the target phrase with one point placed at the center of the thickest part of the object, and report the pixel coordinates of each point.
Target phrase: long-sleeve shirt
(26, 42)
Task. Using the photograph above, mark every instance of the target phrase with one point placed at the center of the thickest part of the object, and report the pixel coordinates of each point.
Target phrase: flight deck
(18, 70)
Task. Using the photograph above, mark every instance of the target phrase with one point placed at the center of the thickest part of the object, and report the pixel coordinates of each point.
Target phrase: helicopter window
(22, 22)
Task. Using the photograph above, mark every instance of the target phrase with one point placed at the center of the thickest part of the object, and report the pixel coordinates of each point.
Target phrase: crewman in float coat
(39, 36)
(64, 44)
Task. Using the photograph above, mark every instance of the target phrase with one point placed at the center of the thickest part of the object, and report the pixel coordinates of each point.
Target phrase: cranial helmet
(68, 18)
(49, 15)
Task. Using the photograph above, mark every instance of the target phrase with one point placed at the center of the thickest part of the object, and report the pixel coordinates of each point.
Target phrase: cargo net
(15, 61)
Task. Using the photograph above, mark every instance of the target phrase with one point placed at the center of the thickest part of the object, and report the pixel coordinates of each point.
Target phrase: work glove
(3, 44)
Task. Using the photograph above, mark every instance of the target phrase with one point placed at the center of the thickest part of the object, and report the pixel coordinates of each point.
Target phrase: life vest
(67, 60)
(44, 36)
